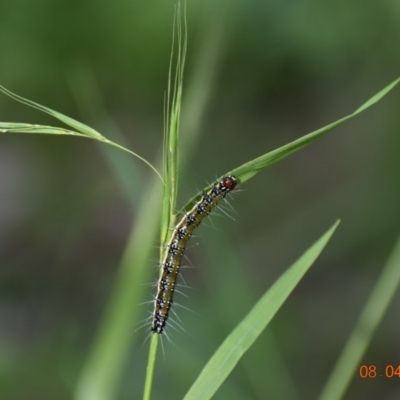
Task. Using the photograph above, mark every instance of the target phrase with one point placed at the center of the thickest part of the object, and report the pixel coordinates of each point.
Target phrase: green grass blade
(174, 101)
(248, 170)
(79, 126)
(244, 335)
(151, 367)
(280, 386)
(171, 156)
(52, 130)
(10, 127)
(110, 351)
(253, 167)
(84, 130)
(357, 344)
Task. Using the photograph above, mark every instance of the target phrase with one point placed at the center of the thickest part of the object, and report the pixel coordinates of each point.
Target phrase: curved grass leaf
(29, 128)
(253, 167)
(248, 170)
(79, 126)
(244, 335)
(83, 130)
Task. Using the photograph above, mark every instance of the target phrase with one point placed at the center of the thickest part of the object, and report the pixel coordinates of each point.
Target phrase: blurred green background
(259, 74)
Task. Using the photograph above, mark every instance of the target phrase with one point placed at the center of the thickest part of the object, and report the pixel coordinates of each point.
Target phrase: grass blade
(79, 126)
(6, 127)
(84, 130)
(150, 367)
(172, 123)
(357, 344)
(173, 114)
(248, 170)
(244, 335)
(110, 351)
(253, 167)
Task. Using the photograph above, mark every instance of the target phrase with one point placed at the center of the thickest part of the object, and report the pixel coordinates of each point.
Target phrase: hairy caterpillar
(176, 247)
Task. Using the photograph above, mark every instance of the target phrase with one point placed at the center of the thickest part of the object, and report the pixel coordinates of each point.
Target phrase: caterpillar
(176, 247)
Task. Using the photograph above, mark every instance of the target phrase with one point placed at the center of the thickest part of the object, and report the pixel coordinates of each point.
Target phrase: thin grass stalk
(171, 157)
(359, 340)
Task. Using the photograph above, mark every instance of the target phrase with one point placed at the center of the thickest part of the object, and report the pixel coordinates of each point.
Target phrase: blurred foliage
(281, 69)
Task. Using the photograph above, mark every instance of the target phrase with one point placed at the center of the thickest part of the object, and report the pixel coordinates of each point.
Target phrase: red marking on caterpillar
(176, 247)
